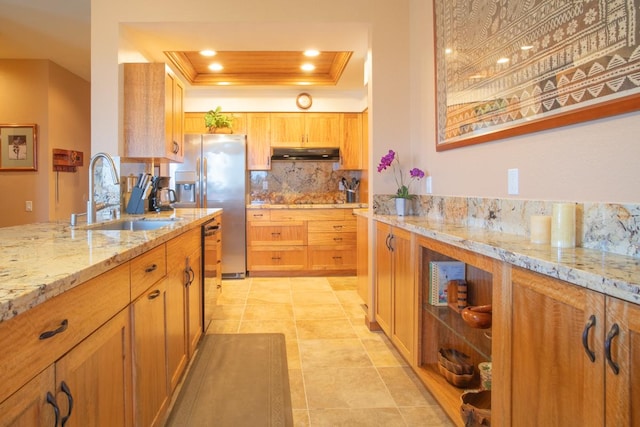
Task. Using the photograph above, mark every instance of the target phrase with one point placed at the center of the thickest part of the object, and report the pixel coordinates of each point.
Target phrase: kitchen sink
(135, 225)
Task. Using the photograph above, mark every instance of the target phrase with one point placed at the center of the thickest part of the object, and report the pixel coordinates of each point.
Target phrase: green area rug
(236, 380)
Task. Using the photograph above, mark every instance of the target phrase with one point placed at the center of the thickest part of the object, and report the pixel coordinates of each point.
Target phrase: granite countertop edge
(610, 274)
(43, 260)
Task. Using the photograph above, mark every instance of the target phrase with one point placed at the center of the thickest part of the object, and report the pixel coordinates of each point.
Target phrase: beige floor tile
(346, 388)
(232, 297)
(267, 296)
(318, 311)
(319, 329)
(314, 297)
(300, 418)
(296, 384)
(404, 389)
(293, 354)
(334, 353)
(227, 312)
(268, 312)
(279, 285)
(223, 327)
(382, 417)
(310, 284)
(382, 353)
(349, 297)
(423, 416)
(343, 283)
(286, 327)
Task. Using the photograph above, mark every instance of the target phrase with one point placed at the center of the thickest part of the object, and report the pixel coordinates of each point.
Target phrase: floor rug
(236, 380)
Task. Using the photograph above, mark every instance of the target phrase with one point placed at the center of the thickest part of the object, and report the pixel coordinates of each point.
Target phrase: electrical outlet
(512, 181)
(265, 185)
(340, 186)
(28, 206)
(429, 185)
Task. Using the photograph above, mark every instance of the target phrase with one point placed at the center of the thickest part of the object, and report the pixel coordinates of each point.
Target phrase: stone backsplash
(300, 182)
(607, 227)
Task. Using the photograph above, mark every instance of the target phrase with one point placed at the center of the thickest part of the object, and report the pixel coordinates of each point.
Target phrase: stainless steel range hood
(303, 154)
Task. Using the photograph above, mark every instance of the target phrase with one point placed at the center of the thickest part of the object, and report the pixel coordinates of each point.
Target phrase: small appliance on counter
(138, 195)
(161, 198)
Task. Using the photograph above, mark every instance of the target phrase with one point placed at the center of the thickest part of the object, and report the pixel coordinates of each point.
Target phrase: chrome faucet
(91, 204)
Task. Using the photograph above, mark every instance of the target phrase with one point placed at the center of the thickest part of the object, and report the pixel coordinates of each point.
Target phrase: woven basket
(455, 361)
(476, 408)
(458, 380)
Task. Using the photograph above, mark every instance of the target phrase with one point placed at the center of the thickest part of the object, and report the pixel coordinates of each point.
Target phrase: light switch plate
(512, 181)
(429, 185)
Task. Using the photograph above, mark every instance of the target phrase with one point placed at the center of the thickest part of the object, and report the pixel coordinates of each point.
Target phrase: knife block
(136, 202)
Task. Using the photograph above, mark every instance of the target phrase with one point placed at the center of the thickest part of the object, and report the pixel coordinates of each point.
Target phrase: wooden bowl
(455, 361)
(458, 380)
(477, 316)
(475, 407)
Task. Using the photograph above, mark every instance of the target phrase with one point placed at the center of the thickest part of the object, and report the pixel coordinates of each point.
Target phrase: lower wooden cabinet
(151, 384)
(575, 355)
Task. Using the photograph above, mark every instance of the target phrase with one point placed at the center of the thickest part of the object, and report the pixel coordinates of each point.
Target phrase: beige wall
(41, 92)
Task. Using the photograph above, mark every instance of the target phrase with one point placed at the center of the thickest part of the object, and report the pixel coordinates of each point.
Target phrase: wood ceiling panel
(260, 67)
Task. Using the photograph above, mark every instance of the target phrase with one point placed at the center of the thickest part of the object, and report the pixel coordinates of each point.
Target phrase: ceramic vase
(401, 206)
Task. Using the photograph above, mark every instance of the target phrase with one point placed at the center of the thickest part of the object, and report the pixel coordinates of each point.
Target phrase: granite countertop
(42, 260)
(607, 273)
(307, 206)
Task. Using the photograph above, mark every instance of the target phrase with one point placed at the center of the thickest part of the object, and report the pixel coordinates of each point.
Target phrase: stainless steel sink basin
(135, 225)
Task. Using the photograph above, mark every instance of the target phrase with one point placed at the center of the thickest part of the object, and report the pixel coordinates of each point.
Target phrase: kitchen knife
(139, 182)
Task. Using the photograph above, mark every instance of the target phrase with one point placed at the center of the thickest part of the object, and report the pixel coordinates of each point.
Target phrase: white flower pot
(401, 206)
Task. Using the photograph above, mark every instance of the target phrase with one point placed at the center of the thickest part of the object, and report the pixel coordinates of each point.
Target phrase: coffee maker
(161, 198)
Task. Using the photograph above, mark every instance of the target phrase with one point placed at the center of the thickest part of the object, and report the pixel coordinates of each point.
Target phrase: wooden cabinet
(301, 241)
(70, 340)
(306, 129)
(362, 268)
(351, 144)
(153, 112)
(258, 141)
(150, 362)
(555, 326)
(395, 288)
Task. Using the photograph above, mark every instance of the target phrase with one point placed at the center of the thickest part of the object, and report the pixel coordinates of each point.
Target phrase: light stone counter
(40, 261)
(307, 206)
(607, 273)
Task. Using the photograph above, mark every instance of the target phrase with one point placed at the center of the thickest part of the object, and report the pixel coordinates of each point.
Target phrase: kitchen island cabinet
(97, 341)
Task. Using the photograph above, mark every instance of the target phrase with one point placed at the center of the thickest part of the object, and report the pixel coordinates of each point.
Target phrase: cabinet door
(96, 377)
(404, 325)
(258, 141)
(383, 278)
(177, 343)
(623, 388)
(362, 270)
(351, 143)
(176, 149)
(194, 301)
(550, 370)
(323, 129)
(29, 406)
(149, 343)
(287, 129)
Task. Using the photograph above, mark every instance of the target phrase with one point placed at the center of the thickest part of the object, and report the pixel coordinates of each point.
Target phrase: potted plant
(215, 121)
(391, 160)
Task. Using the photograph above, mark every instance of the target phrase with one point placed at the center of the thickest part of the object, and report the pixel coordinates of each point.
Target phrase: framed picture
(512, 67)
(18, 148)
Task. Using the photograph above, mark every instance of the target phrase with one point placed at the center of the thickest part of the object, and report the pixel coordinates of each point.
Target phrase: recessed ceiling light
(208, 52)
(303, 83)
(448, 50)
(526, 47)
(308, 67)
(223, 83)
(311, 52)
(216, 67)
(503, 60)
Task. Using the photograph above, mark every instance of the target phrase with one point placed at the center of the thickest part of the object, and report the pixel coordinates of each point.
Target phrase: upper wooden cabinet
(258, 141)
(306, 129)
(351, 144)
(153, 112)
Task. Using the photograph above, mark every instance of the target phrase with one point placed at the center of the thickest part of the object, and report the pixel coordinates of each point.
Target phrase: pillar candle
(540, 229)
(563, 225)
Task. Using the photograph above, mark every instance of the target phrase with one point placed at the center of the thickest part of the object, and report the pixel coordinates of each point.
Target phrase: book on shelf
(440, 273)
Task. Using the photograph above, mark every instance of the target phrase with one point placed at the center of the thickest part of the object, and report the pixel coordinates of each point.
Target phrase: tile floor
(341, 373)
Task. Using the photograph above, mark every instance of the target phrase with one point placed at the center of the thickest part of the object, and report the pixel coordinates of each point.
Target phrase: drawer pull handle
(155, 294)
(189, 276)
(613, 332)
(65, 390)
(275, 234)
(152, 267)
(337, 257)
(337, 227)
(257, 215)
(337, 239)
(61, 328)
(585, 337)
(52, 401)
(275, 258)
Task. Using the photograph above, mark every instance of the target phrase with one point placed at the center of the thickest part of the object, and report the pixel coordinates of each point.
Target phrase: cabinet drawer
(147, 269)
(74, 315)
(332, 259)
(258, 215)
(274, 233)
(332, 239)
(277, 259)
(331, 226)
(310, 214)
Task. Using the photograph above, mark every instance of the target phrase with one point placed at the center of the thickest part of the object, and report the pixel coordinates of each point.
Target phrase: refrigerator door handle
(204, 182)
(198, 184)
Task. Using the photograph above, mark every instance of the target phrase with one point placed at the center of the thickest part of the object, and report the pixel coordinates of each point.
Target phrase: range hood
(312, 153)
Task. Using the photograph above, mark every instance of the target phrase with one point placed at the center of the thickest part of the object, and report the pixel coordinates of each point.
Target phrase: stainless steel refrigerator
(214, 175)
